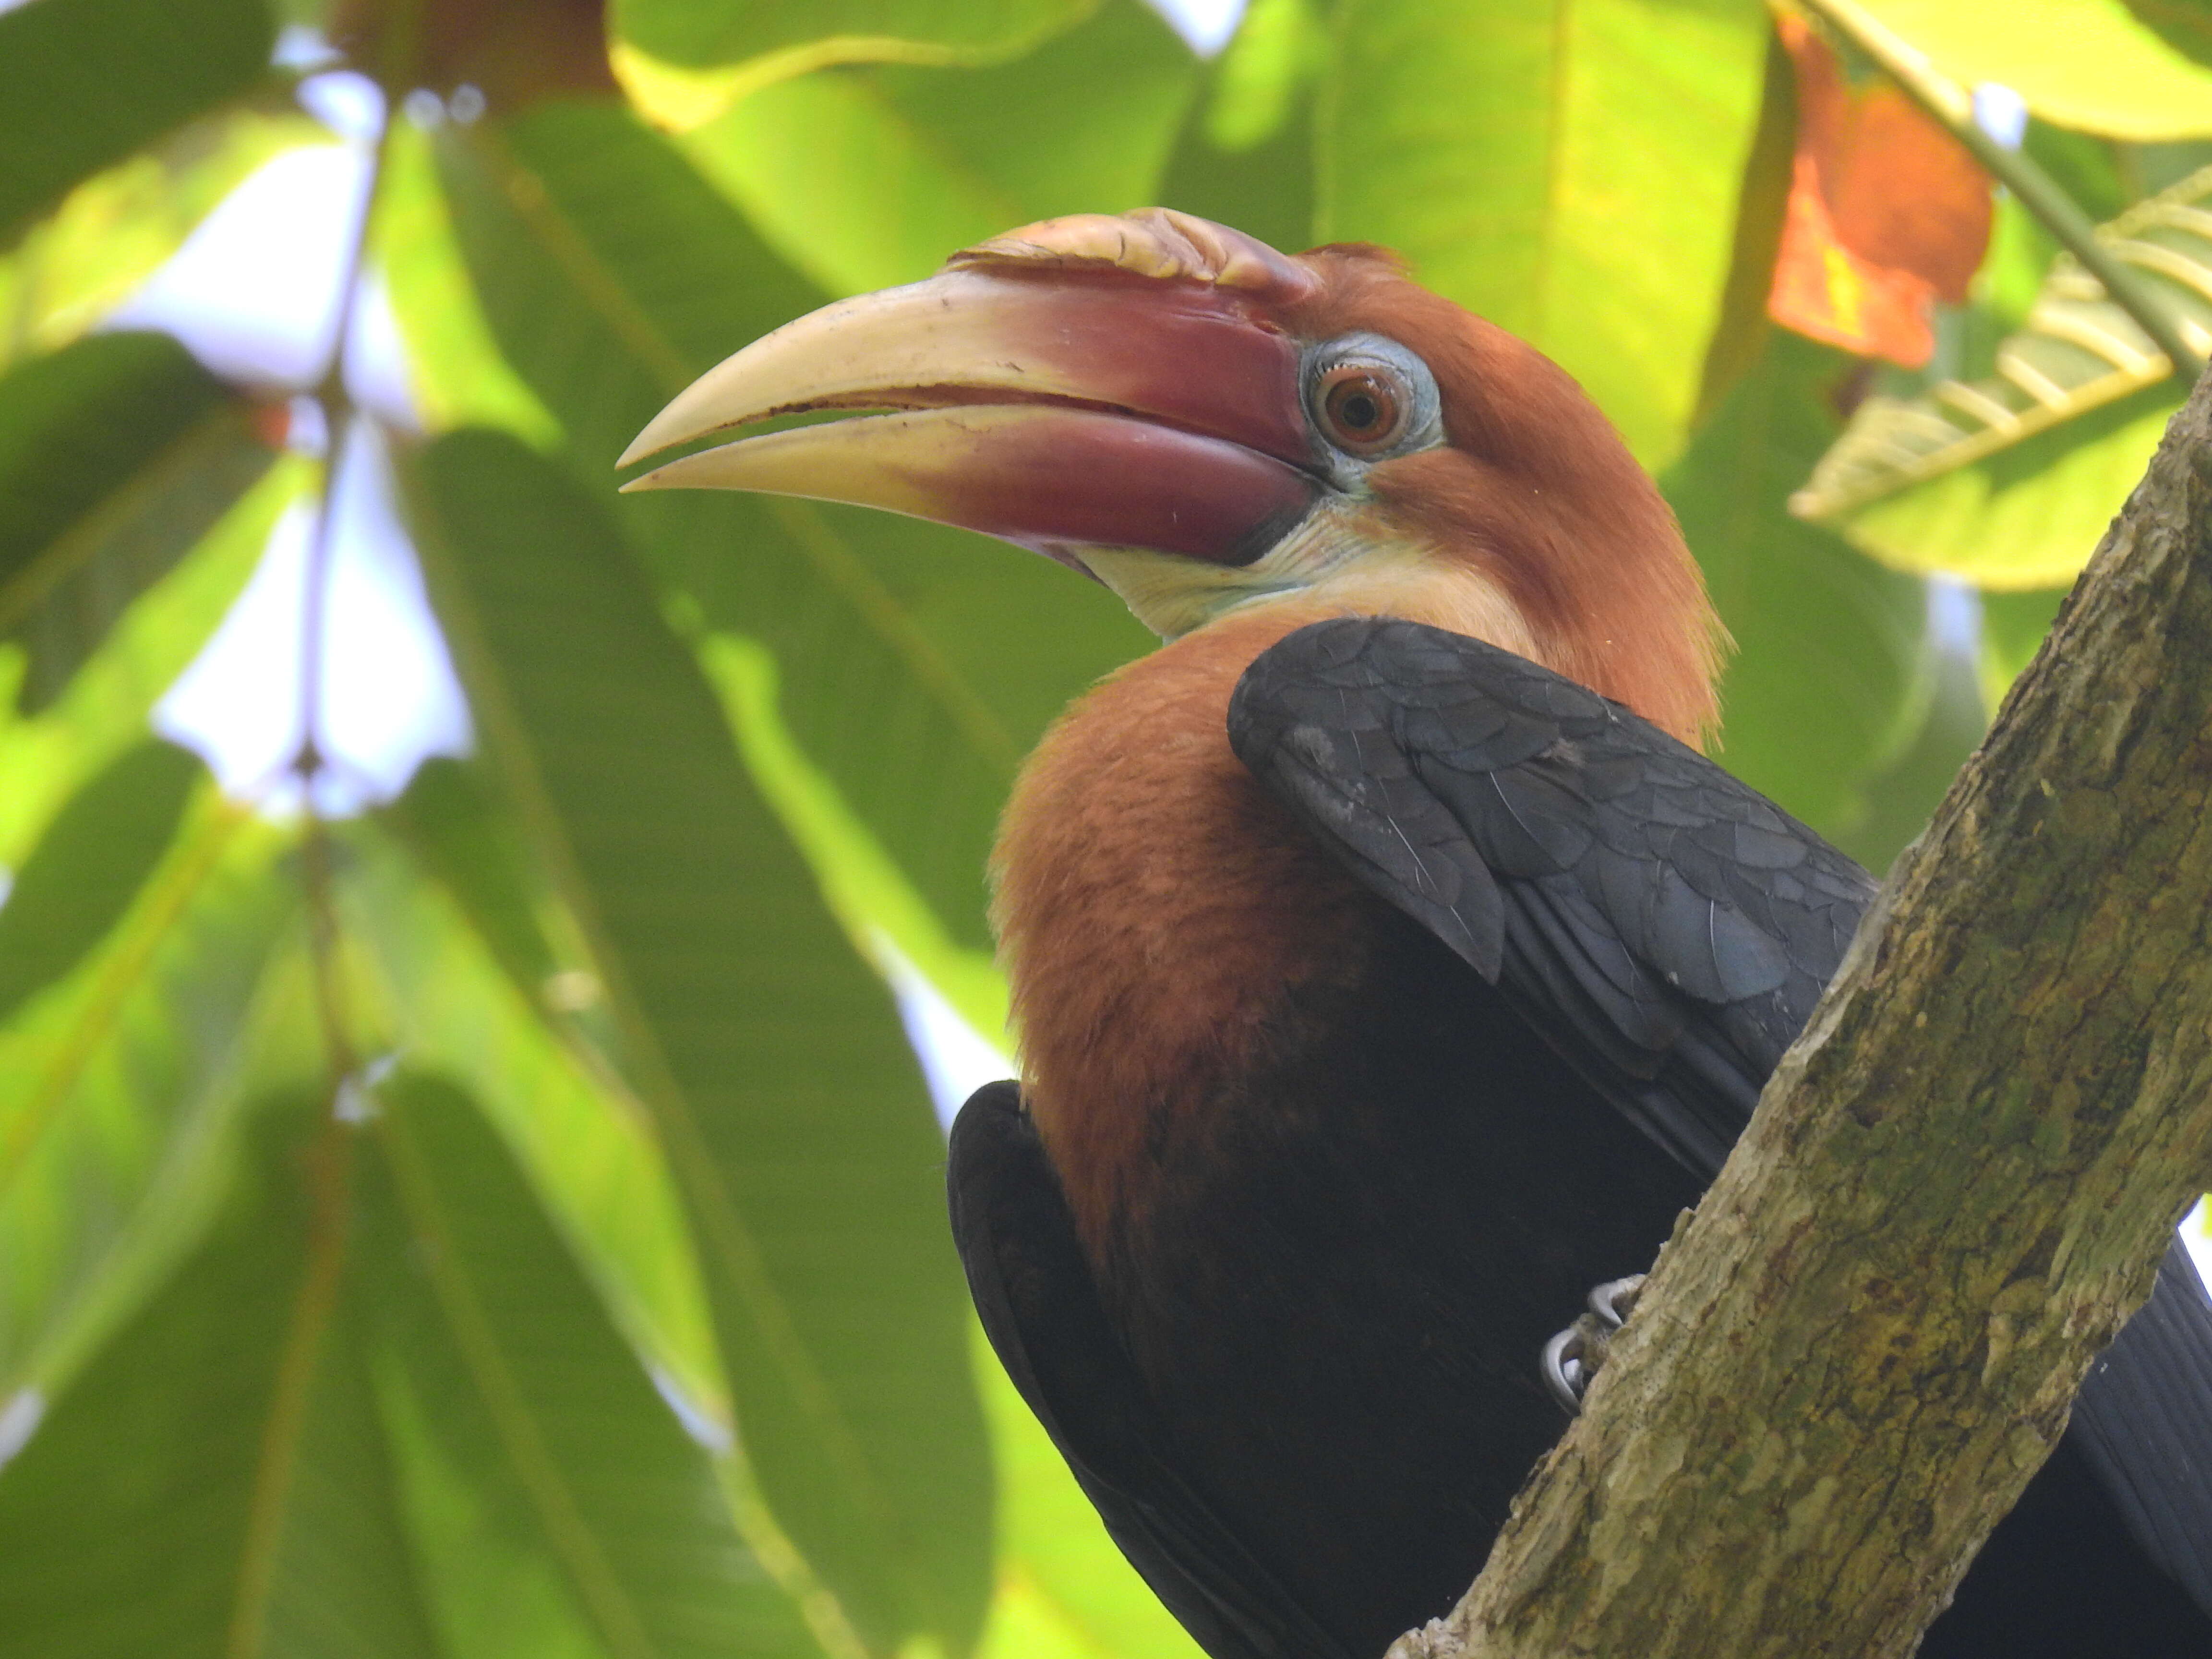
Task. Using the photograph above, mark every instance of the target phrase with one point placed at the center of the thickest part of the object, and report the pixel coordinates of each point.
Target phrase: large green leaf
(1827, 683)
(116, 454)
(454, 369)
(103, 711)
(378, 1412)
(1246, 155)
(535, 1430)
(113, 230)
(864, 179)
(611, 273)
(2090, 64)
(89, 865)
(117, 1081)
(1568, 170)
(85, 82)
(705, 32)
(529, 1038)
(795, 1119)
(918, 663)
(216, 1485)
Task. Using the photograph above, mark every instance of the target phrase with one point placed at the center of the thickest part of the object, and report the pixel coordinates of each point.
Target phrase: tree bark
(1956, 1188)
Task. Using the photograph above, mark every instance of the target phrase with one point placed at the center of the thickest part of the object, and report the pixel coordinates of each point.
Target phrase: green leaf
(867, 177)
(216, 1483)
(612, 274)
(116, 1083)
(2024, 517)
(1246, 155)
(517, 1390)
(2007, 481)
(84, 82)
(116, 454)
(537, 1068)
(2013, 627)
(1827, 681)
(1264, 73)
(773, 1062)
(377, 1412)
(112, 232)
(90, 865)
(2090, 64)
(1568, 170)
(454, 368)
(104, 710)
(449, 822)
(706, 32)
(918, 663)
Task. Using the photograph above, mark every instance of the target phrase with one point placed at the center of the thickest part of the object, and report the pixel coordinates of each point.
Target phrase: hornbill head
(1206, 425)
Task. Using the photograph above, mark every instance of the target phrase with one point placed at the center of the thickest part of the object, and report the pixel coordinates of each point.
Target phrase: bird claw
(1572, 1357)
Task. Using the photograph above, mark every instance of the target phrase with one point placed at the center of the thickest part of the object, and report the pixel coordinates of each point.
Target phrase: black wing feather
(1040, 1308)
(2144, 1421)
(1665, 927)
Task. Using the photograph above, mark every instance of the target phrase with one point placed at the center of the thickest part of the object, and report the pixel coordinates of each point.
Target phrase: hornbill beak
(1049, 388)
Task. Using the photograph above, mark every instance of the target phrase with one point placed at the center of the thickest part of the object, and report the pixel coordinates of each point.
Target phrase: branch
(1957, 1186)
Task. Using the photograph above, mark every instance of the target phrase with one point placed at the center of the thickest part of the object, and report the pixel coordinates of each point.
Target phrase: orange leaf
(1887, 213)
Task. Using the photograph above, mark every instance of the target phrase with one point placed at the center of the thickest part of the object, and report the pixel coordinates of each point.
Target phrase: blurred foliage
(507, 1221)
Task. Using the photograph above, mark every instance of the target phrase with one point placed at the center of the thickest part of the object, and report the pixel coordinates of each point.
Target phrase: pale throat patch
(1323, 561)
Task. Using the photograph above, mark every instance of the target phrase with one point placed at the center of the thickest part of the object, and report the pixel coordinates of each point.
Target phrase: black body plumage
(1305, 1399)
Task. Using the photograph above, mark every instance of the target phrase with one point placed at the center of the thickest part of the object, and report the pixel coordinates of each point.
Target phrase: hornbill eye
(1362, 408)
(1370, 397)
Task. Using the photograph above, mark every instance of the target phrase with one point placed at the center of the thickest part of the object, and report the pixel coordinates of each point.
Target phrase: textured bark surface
(1957, 1186)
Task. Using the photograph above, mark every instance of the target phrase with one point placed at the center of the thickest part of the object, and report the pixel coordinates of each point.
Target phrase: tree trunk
(1957, 1186)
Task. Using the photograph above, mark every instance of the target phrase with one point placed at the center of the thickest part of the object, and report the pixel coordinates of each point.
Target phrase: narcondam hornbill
(1389, 967)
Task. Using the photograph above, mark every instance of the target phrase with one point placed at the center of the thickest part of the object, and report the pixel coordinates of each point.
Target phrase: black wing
(2144, 1421)
(1040, 1310)
(1667, 928)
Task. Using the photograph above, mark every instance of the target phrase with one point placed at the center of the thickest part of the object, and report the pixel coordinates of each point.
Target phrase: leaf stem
(1954, 106)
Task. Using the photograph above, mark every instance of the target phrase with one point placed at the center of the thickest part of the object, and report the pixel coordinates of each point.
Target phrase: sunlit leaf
(1279, 47)
(534, 1431)
(706, 32)
(864, 179)
(2089, 64)
(1253, 167)
(1740, 334)
(377, 1412)
(116, 454)
(1568, 170)
(449, 822)
(918, 663)
(117, 1082)
(112, 231)
(795, 1120)
(105, 709)
(2007, 481)
(217, 1482)
(89, 865)
(454, 369)
(85, 82)
(529, 1051)
(1826, 683)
